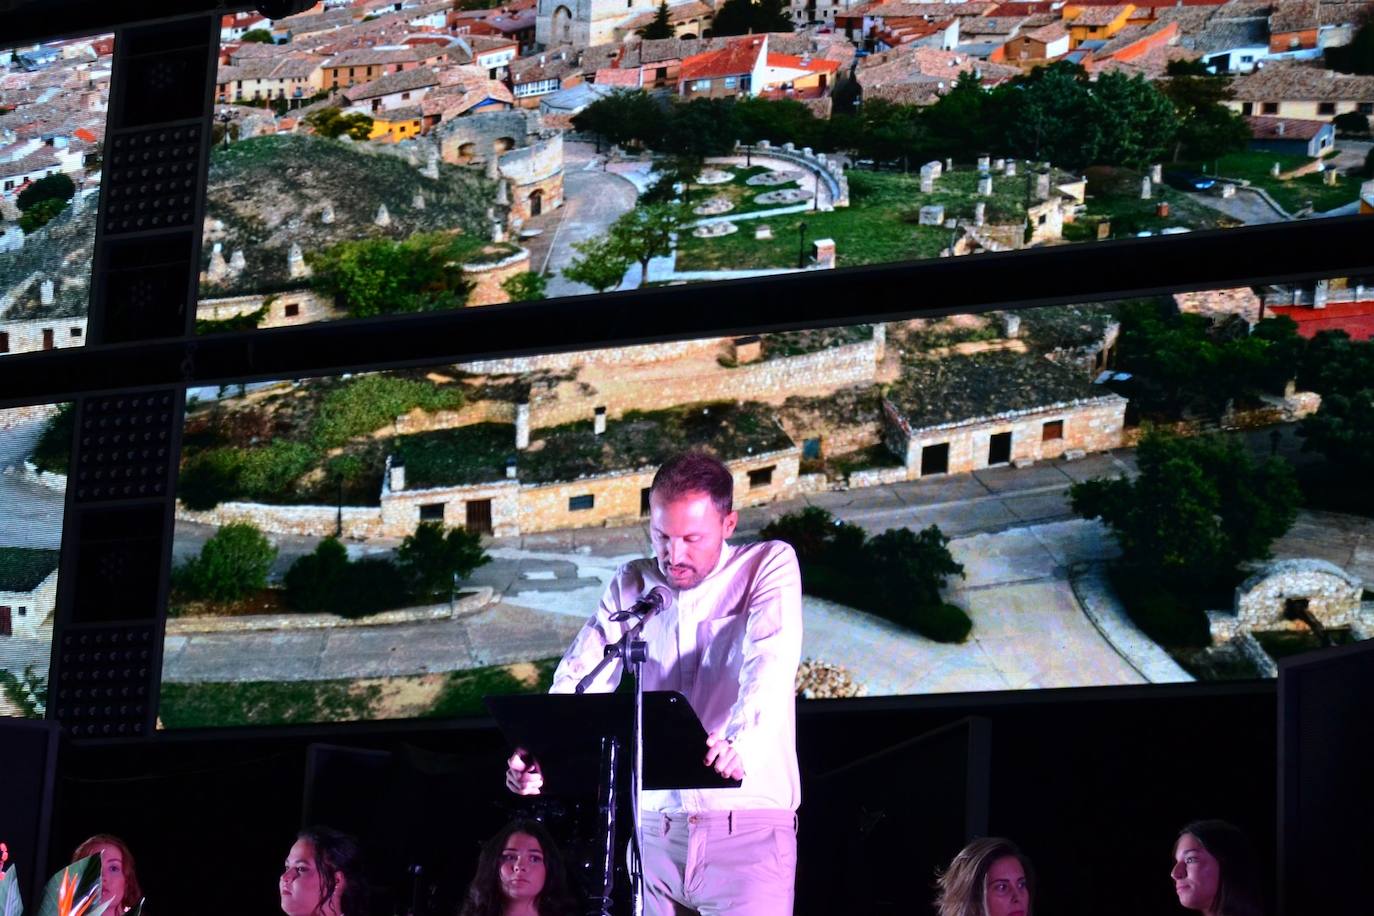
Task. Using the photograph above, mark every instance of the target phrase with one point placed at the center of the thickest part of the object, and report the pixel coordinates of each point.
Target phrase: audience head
(518, 867)
(323, 875)
(1215, 870)
(118, 878)
(989, 877)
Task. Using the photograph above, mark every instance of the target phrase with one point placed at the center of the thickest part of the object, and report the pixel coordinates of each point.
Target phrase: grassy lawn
(1292, 194)
(295, 702)
(874, 229)
(1114, 194)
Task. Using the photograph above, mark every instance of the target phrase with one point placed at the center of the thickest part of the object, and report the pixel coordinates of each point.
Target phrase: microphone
(651, 602)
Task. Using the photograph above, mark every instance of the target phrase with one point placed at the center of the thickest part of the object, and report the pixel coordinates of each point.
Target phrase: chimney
(599, 421)
(397, 475)
(522, 425)
(1278, 128)
(511, 468)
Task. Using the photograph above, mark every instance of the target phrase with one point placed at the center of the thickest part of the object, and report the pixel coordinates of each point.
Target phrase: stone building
(506, 480)
(28, 589)
(514, 147)
(1289, 594)
(960, 413)
(585, 23)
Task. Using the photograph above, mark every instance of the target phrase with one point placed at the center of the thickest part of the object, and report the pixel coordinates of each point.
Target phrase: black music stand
(578, 739)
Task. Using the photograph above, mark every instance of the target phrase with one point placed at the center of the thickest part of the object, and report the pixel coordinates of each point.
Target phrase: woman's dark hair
(133, 893)
(1238, 887)
(484, 893)
(338, 854)
(961, 888)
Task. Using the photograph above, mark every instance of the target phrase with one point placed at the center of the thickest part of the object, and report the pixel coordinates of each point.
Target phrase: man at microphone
(730, 641)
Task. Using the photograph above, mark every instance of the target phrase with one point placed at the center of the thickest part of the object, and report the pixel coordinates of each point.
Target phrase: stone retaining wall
(489, 278)
(617, 356)
(361, 522)
(257, 623)
(47, 479)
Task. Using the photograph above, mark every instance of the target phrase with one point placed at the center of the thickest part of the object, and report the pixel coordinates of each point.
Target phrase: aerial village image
(1150, 490)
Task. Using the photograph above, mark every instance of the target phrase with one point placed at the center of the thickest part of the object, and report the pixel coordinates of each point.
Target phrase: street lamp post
(748, 148)
(801, 245)
(816, 198)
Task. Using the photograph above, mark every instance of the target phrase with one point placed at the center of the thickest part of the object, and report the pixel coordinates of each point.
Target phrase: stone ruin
(931, 215)
(1296, 596)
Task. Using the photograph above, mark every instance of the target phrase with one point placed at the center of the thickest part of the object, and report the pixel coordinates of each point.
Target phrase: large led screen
(35, 448)
(1137, 492)
(412, 161)
(53, 102)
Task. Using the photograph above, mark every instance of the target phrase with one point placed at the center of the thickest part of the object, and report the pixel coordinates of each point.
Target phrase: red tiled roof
(734, 59)
(815, 64)
(1026, 8)
(1283, 128)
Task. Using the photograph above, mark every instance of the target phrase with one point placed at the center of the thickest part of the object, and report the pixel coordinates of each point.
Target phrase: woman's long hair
(962, 890)
(338, 854)
(133, 893)
(485, 897)
(1238, 887)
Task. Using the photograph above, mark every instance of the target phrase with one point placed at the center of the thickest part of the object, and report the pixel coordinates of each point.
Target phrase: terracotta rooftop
(400, 81)
(1295, 82)
(1284, 128)
(1099, 15)
(739, 57)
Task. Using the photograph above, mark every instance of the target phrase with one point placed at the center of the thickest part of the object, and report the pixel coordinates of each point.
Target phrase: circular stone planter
(714, 207)
(785, 196)
(715, 176)
(715, 230)
(767, 179)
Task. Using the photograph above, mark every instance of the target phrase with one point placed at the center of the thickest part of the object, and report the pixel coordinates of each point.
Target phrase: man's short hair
(695, 472)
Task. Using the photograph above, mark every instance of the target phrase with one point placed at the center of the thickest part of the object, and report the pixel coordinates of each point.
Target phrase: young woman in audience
(1215, 872)
(989, 877)
(119, 888)
(520, 873)
(323, 876)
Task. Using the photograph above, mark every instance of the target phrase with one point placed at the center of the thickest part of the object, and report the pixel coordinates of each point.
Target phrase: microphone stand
(633, 651)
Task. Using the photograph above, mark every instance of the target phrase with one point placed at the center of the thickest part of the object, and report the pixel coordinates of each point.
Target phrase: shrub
(312, 579)
(57, 187)
(368, 586)
(210, 478)
(432, 560)
(233, 564)
(897, 575)
(40, 214)
(363, 405)
(1163, 615)
(53, 450)
(270, 471)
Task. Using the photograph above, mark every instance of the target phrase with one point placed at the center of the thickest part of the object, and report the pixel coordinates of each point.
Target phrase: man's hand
(522, 773)
(722, 757)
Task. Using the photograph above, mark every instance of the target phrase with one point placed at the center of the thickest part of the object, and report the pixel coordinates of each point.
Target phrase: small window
(1247, 58)
(1269, 107)
(1295, 608)
(935, 459)
(1247, 108)
(405, 95)
(76, 332)
(4, 342)
(1052, 430)
(761, 478)
(811, 448)
(23, 611)
(431, 512)
(1326, 108)
(730, 82)
(1365, 108)
(292, 309)
(701, 85)
(581, 503)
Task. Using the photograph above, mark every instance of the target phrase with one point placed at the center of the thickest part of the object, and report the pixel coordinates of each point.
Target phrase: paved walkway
(592, 200)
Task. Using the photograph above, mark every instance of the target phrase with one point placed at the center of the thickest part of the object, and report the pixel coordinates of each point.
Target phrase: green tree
(1206, 127)
(1342, 431)
(526, 286)
(647, 232)
(1351, 122)
(781, 121)
(599, 264)
(233, 564)
(741, 17)
(1049, 116)
(40, 214)
(1187, 68)
(887, 132)
(333, 123)
(702, 127)
(432, 560)
(908, 570)
(959, 121)
(659, 26)
(1333, 363)
(379, 276)
(313, 579)
(51, 187)
(1198, 508)
(210, 478)
(1136, 124)
(675, 170)
(624, 116)
(261, 36)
